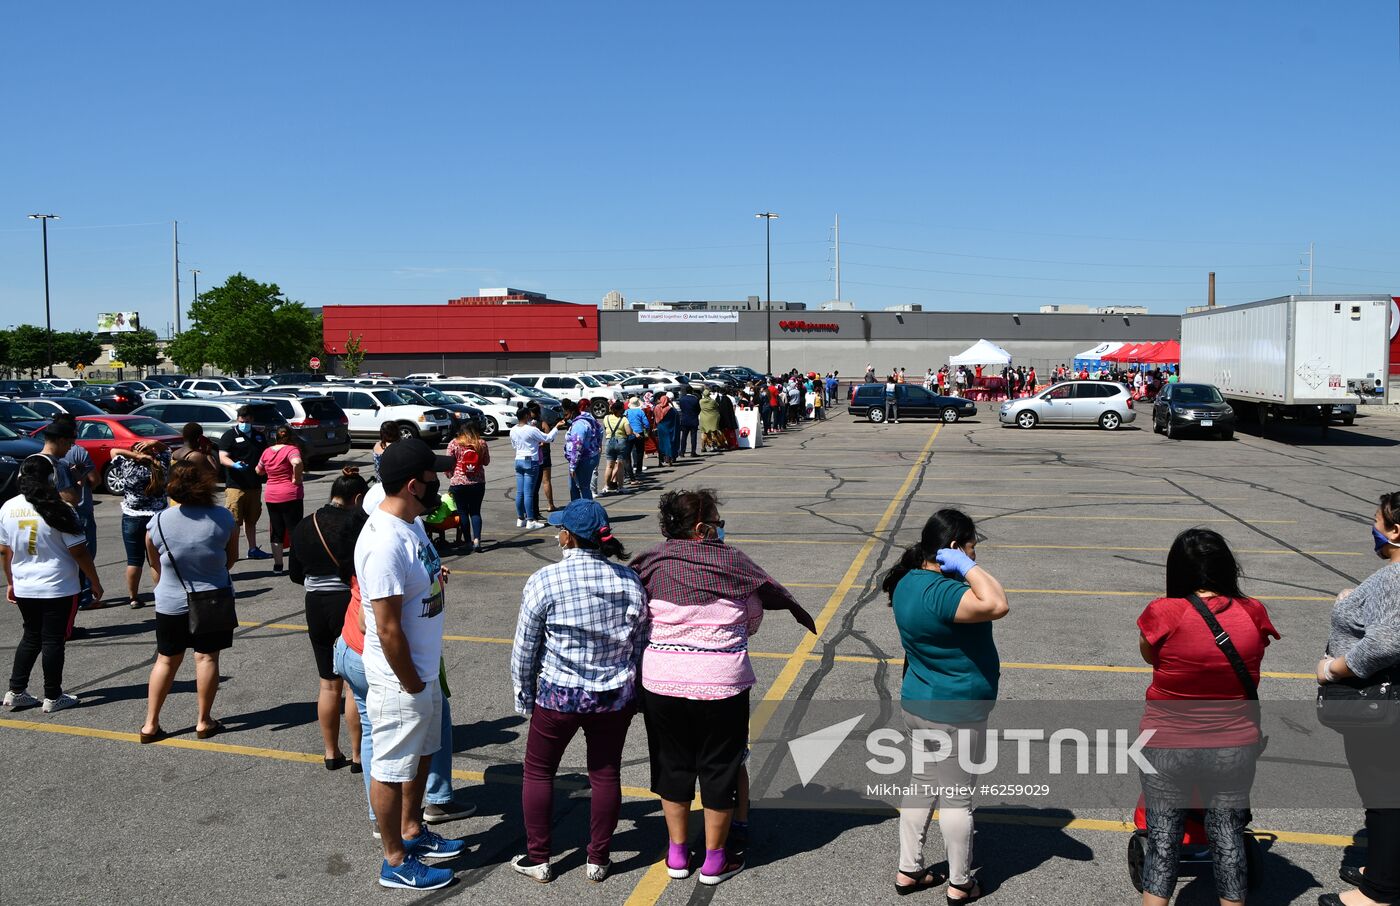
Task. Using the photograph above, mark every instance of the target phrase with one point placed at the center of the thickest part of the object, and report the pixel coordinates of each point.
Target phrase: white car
(502, 392)
(59, 383)
(424, 376)
(212, 386)
(1104, 403)
(499, 416)
(368, 407)
(570, 387)
(656, 383)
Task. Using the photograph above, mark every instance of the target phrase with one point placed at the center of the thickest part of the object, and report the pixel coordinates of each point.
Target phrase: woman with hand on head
(467, 481)
(944, 605)
(138, 474)
(43, 551)
(284, 493)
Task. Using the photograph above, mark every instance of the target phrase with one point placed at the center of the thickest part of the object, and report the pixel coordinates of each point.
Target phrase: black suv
(1192, 407)
(868, 402)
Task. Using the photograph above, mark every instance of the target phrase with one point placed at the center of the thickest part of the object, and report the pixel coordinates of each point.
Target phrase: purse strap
(317, 525)
(166, 544)
(1226, 646)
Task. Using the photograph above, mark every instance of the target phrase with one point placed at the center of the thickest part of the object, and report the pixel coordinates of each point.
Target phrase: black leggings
(283, 517)
(45, 625)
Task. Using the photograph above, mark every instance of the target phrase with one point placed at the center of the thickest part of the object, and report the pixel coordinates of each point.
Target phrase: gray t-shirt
(79, 467)
(1366, 624)
(197, 536)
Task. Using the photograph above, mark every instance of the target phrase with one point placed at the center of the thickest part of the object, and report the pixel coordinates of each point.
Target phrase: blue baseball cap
(585, 518)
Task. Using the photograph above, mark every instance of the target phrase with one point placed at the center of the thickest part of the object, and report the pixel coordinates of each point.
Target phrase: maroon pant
(550, 734)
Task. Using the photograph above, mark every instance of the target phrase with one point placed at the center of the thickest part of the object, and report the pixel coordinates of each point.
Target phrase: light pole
(768, 217)
(48, 321)
(194, 272)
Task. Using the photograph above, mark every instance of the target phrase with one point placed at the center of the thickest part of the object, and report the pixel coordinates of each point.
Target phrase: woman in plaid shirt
(578, 644)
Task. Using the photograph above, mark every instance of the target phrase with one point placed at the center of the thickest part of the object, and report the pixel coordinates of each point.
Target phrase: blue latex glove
(954, 562)
(240, 465)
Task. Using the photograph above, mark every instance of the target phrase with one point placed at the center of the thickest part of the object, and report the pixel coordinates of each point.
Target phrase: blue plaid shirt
(582, 627)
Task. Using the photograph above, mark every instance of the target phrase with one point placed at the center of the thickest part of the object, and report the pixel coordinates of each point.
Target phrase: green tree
(29, 348)
(187, 351)
(245, 325)
(76, 347)
(137, 348)
(5, 365)
(354, 354)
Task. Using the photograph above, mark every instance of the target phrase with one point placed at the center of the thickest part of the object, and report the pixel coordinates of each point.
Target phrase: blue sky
(990, 155)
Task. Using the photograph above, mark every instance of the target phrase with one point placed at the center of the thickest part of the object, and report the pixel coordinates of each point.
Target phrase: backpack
(469, 462)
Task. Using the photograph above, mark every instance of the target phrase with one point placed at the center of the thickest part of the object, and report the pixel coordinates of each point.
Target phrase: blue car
(14, 447)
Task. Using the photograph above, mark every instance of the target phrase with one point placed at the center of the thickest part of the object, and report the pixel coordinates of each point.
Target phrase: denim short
(617, 449)
(134, 537)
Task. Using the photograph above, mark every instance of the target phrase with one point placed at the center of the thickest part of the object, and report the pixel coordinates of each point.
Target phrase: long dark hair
(1200, 558)
(680, 511)
(608, 547)
(945, 528)
(1390, 509)
(349, 485)
(37, 487)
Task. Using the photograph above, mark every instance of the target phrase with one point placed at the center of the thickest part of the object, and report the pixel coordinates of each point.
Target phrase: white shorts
(403, 728)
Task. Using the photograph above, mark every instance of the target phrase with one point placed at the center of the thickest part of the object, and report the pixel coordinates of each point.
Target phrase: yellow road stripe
(1163, 550)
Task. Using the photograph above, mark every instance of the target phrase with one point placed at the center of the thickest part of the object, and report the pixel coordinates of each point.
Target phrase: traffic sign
(315, 363)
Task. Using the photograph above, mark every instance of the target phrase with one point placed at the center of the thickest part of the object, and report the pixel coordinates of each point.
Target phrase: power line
(929, 270)
(1194, 267)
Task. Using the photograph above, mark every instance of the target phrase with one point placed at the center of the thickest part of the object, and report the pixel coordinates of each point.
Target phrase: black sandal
(922, 881)
(968, 889)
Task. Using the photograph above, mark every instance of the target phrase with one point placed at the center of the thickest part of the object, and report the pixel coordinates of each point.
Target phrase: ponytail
(912, 558)
(36, 485)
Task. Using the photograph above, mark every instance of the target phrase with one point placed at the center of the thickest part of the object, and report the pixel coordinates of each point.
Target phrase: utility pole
(768, 218)
(194, 273)
(1311, 263)
(837, 234)
(48, 319)
(175, 248)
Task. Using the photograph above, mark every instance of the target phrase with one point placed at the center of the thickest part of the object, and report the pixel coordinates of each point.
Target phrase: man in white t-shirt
(400, 578)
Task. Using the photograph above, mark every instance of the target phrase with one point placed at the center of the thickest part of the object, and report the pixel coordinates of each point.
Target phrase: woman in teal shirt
(944, 604)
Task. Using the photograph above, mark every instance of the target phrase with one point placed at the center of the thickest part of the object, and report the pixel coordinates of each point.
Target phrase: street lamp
(768, 217)
(48, 322)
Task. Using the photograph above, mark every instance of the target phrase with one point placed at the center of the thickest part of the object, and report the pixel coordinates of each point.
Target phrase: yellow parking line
(1162, 550)
(1009, 665)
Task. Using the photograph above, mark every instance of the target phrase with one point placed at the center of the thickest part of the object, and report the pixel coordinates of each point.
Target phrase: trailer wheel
(1137, 856)
(1348, 420)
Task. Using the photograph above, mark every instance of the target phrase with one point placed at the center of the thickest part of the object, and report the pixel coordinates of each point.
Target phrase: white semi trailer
(1294, 356)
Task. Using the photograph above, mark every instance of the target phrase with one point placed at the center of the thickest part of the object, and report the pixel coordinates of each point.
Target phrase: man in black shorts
(239, 451)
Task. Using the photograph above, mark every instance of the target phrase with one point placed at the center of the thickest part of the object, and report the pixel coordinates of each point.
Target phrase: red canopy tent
(1168, 352)
(1129, 353)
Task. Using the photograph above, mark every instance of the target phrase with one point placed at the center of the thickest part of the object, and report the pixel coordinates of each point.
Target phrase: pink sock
(714, 861)
(678, 855)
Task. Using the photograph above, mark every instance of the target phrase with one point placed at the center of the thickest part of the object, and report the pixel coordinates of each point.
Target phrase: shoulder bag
(1232, 654)
(1360, 704)
(210, 611)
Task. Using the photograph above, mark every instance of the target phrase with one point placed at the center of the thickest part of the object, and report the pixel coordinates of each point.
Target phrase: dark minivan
(868, 402)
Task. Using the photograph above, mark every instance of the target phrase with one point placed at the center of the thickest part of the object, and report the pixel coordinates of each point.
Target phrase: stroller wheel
(1137, 855)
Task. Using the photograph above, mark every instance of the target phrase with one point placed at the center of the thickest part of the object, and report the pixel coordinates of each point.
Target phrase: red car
(99, 435)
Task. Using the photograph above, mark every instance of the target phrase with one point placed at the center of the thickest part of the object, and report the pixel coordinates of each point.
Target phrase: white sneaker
(542, 872)
(520, 523)
(58, 704)
(21, 699)
(597, 873)
(532, 524)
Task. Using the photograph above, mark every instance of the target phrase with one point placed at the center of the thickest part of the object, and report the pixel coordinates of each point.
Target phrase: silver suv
(317, 421)
(215, 416)
(1103, 403)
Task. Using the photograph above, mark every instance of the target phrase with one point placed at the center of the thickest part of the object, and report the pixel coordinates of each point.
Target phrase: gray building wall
(912, 340)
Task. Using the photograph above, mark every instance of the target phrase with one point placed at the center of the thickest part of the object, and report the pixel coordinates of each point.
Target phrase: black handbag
(1360, 704)
(1232, 654)
(210, 611)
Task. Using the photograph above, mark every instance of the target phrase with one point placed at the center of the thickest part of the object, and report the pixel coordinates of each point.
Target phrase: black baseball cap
(409, 458)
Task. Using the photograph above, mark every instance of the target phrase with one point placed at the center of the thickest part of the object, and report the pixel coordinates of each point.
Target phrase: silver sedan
(1103, 403)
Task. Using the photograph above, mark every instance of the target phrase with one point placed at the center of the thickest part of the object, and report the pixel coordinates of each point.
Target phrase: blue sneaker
(430, 845)
(257, 553)
(413, 875)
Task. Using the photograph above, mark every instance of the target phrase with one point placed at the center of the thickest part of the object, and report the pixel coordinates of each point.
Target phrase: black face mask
(431, 498)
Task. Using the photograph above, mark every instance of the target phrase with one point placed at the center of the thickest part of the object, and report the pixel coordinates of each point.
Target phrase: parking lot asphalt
(1075, 522)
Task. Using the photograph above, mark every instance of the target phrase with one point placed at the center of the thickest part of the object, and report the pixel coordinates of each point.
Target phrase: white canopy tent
(983, 352)
(1099, 351)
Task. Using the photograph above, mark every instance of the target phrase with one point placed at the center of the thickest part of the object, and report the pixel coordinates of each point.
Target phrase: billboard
(118, 321)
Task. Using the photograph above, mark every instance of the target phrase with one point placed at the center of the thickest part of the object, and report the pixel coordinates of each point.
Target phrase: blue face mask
(1381, 540)
(719, 533)
(245, 427)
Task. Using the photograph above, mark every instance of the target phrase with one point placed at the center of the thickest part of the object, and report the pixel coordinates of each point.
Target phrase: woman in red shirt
(1205, 729)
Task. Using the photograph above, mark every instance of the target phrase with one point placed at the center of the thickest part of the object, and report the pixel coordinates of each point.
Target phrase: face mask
(245, 427)
(1381, 541)
(431, 499)
(719, 533)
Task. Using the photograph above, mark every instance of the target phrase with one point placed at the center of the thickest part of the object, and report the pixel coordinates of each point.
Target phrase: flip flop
(213, 729)
(148, 738)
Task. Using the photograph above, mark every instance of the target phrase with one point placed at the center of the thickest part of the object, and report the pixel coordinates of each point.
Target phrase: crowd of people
(600, 637)
(1016, 381)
